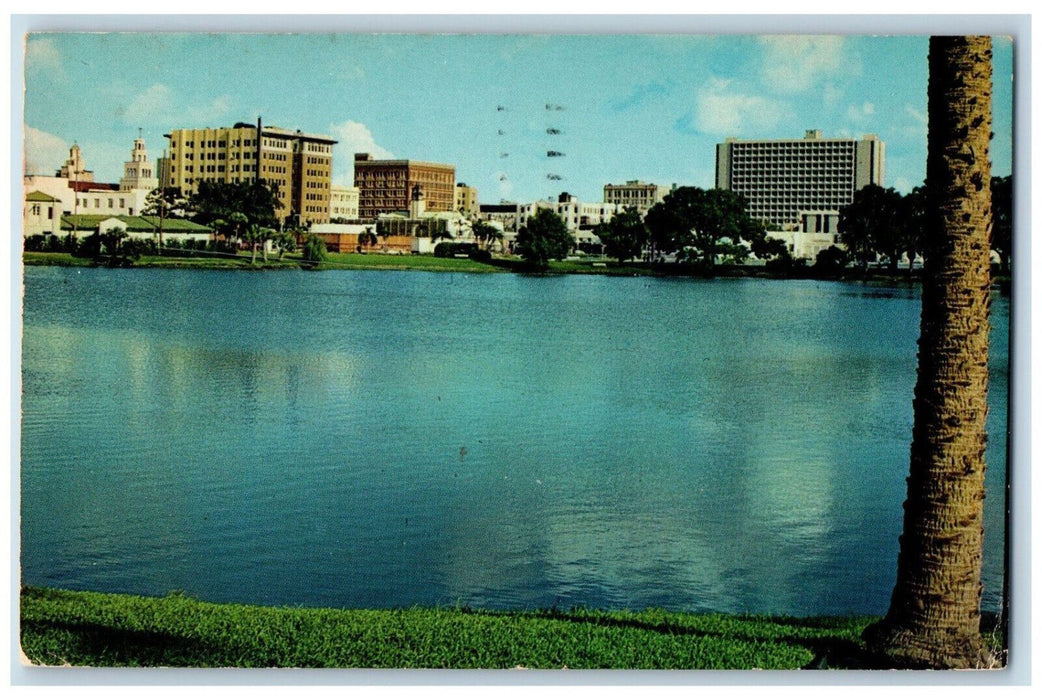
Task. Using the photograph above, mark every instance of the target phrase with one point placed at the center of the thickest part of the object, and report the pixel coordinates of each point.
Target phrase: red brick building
(385, 186)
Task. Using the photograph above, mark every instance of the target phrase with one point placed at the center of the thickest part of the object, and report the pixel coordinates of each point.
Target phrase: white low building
(41, 214)
(580, 218)
(75, 187)
(343, 203)
(816, 232)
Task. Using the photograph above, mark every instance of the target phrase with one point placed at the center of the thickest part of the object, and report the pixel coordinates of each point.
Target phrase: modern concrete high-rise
(782, 177)
(386, 186)
(299, 165)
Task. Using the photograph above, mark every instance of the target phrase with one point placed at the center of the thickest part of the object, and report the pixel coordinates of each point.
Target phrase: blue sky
(648, 107)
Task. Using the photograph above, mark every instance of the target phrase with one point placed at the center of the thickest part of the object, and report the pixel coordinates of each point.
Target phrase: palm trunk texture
(934, 615)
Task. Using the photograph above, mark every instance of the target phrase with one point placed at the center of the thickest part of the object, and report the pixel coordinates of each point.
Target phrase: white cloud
(44, 152)
(916, 114)
(504, 187)
(153, 103)
(861, 112)
(903, 184)
(916, 123)
(352, 137)
(723, 110)
(161, 106)
(831, 94)
(793, 64)
(42, 54)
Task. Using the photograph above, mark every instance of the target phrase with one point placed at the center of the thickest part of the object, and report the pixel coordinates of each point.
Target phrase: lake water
(384, 439)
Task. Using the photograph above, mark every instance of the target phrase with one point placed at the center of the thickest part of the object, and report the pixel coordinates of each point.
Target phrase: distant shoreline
(429, 263)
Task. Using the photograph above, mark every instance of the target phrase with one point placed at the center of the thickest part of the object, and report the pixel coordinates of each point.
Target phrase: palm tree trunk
(934, 615)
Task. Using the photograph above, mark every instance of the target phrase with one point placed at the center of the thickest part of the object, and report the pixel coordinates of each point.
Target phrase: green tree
(238, 222)
(437, 229)
(875, 224)
(367, 238)
(257, 236)
(625, 236)
(544, 238)
(1002, 219)
(830, 262)
(257, 201)
(485, 233)
(768, 248)
(285, 241)
(701, 225)
(934, 615)
(314, 250)
(916, 206)
(165, 202)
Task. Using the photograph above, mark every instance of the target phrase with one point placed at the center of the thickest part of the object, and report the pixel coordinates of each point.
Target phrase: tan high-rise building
(635, 194)
(299, 165)
(386, 186)
(467, 200)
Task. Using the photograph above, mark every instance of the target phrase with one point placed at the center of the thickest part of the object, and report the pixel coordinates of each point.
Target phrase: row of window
(85, 202)
(827, 146)
(36, 210)
(214, 143)
(781, 195)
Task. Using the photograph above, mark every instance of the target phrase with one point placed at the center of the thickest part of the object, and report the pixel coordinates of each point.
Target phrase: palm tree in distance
(934, 615)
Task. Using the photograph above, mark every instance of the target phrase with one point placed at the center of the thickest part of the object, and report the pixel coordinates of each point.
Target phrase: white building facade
(41, 214)
(576, 215)
(634, 194)
(78, 193)
(343, 203)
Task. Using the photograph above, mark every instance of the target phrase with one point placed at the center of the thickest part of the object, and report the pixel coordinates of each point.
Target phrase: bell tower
(138, 173)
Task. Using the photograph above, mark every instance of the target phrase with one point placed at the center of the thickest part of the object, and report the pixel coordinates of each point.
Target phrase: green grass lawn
(96, 629)
(62, 259)
(382, 261)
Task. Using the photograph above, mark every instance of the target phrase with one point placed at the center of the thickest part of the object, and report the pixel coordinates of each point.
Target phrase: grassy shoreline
(430, 263)
(61, 628)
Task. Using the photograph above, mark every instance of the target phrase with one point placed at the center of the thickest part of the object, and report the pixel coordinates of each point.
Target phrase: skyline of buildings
(798, 185)
(784, 175)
